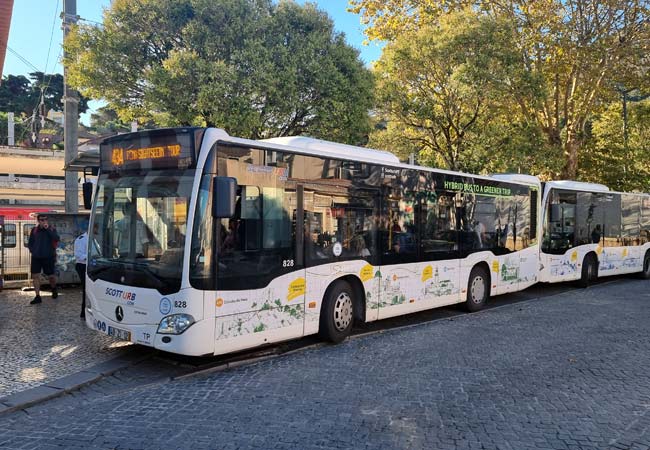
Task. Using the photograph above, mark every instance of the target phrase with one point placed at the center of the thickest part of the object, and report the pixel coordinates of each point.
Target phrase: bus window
(521, 223)
(201, 257)
(398, 229)
(589, 223)
(611, 207)
(630, 219)
(438, 225)
(645, 220)
(559, 232)
(257, 244)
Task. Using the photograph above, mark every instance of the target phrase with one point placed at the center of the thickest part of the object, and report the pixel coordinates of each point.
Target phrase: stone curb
(60, 386)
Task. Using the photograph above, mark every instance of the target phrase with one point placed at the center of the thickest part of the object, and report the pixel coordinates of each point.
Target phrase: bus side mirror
(88, 194)
(224, 190)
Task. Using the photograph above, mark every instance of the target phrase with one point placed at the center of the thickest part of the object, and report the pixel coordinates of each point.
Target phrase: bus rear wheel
(589, 271)
(478, 289)
(337, 312)
(645, 273)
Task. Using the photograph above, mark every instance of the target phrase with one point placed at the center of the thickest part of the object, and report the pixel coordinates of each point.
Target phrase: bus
(590, 231)
(205, 244)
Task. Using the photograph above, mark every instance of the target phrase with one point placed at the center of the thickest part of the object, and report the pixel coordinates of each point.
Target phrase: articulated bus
(590, 231)
(205, 244)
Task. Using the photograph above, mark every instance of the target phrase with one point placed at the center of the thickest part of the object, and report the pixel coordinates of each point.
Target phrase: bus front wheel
(337, 312)
(478, 289)
(589, 271)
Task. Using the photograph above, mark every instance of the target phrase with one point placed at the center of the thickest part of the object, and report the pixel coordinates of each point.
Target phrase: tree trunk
(571, 147)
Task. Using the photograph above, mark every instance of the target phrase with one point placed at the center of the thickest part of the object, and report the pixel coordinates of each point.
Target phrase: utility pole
(10, 130)
(71, 116)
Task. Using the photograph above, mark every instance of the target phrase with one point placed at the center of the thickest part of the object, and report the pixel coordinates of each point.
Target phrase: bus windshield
(139, 228)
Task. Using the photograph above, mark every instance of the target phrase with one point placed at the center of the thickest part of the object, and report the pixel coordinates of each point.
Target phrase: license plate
(119, 334)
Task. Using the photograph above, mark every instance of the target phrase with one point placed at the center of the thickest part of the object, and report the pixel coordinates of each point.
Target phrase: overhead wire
(44, 87)
(22, 58)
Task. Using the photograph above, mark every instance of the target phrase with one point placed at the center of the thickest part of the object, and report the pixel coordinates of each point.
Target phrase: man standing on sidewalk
(43, 240)
(80, 255)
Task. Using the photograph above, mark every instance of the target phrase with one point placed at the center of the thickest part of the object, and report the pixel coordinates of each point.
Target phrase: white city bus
(590, 231)
(206, 244)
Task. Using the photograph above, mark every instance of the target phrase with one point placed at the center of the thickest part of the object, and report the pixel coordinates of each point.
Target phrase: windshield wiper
(144, 268)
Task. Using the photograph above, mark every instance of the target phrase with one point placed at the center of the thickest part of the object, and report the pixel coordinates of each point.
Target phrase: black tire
(589, 271)
(645, 273)
(478, 289)
(337, 313)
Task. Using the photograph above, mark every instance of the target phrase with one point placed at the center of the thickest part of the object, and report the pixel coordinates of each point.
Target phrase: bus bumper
(197, 340)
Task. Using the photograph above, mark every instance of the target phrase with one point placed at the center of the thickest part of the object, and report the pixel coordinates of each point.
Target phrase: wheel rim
(477, 290)
(342, 311)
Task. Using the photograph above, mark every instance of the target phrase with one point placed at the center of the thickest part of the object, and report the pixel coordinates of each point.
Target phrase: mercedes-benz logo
(119, 313)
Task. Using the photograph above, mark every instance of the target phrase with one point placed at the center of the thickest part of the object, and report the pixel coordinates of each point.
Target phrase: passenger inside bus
(123, 232)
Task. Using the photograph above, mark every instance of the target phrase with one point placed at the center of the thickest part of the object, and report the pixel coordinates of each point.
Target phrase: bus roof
(343, 150)
(578, 186)
(317, 147)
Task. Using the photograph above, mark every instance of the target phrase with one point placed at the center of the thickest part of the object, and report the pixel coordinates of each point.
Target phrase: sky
(36, 34)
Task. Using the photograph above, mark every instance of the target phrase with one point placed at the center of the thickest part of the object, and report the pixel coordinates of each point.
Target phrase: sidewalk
(40, 344)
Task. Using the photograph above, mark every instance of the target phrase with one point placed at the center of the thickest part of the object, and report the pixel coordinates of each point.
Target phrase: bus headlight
(175, 324)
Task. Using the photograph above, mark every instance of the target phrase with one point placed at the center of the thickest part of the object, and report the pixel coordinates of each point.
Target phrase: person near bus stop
(42, 243)
(80, 255)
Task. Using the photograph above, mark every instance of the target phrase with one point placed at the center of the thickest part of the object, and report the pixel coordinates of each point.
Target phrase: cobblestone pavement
(570, 371)
(44, 342)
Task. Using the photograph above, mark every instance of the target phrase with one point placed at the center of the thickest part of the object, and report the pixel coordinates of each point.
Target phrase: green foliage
(254, 67)
(571, 54)
(105, 121)
(22, 95)
(441, 88)
(21, 129)
(16, 95)
(608, 160)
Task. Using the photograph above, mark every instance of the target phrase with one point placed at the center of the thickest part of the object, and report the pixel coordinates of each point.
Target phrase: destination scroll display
(170, 150)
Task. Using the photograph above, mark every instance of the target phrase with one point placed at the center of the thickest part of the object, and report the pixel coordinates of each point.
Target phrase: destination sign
(120, 155)
(155, 149)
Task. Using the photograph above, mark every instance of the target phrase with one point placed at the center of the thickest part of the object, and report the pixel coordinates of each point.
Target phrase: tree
(105, 120)
(437, 85)
(22, 95)
(16, 95)
(256, 68)
(606, 159)
(575, 46)
(21, 129)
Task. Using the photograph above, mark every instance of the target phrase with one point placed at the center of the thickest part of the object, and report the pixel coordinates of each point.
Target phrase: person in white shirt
(80, 255)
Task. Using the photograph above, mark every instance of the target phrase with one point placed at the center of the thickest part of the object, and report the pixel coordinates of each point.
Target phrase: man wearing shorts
(42, 245)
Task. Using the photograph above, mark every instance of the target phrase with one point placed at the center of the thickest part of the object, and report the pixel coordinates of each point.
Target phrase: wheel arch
(594, 255)
(358, 295)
